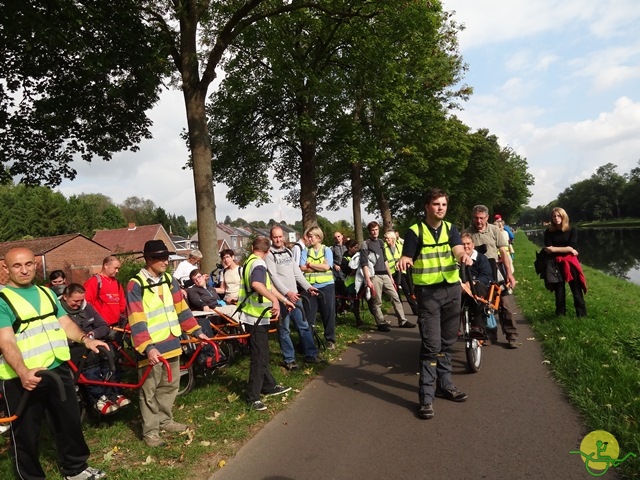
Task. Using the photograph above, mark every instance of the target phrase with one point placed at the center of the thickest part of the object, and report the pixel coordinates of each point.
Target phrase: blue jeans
(309, 349)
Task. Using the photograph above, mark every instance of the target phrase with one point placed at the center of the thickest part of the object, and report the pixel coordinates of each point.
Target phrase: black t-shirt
(558, 238)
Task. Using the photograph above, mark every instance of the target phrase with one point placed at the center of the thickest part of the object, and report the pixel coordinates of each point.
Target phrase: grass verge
(595, 359)
(215, 410)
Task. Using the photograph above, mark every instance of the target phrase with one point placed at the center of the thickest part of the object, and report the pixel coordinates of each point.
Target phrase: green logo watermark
(599, 451)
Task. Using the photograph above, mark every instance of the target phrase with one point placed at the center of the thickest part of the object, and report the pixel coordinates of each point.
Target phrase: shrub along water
(595, 359)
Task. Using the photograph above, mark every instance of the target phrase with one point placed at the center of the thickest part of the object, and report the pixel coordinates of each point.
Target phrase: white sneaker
(105, 406)
(88, 473)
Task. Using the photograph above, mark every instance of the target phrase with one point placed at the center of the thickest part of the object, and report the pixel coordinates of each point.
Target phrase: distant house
(181, 243)
(129, 241)
(77, 256)
(290, 234)
(223, 243)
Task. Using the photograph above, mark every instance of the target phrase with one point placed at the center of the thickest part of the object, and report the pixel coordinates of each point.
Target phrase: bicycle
(475, 336)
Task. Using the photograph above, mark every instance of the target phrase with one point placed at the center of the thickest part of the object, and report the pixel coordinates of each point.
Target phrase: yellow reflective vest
(162, 319)
(317, 277)
(251, 302)
(39, 335)
(435, 262)
(392, 258)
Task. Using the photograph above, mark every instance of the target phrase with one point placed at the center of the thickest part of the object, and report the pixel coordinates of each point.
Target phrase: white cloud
(496, 21)
(572, 151)
(609, 67)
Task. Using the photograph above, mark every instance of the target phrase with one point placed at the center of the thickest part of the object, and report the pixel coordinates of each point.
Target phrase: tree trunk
(356, 195)
(200, 145)
(383, 206)
(308, 185)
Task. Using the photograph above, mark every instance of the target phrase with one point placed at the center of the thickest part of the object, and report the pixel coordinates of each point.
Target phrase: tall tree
(311, 93)
(199, 34)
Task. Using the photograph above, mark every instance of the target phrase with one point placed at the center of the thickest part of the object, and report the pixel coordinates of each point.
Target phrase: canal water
(615, 251)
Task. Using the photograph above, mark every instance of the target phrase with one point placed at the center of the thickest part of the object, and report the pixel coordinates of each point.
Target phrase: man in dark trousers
(433, 248)
(34, 334)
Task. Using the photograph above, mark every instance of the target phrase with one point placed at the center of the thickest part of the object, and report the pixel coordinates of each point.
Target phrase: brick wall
(78, 258)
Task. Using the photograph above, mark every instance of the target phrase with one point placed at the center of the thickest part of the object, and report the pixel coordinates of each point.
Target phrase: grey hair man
(497, 249)
(286, 277)
(185, 267)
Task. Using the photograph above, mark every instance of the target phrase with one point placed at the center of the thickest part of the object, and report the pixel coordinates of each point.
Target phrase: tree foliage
(142, 211)
(41, 212)
(308, 95)
(77, 78)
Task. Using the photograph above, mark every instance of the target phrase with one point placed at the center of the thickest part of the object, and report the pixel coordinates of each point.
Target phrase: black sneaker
(425, 412)
(451, 393)
(383, 327)
(313, 360)
(290, 365)
(258, 406)
(513, 343)
(279, 390)
(407, 324)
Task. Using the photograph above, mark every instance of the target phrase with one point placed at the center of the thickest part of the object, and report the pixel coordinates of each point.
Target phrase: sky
(558, 82)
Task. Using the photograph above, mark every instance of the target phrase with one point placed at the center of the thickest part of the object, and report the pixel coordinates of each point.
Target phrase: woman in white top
(230, 285)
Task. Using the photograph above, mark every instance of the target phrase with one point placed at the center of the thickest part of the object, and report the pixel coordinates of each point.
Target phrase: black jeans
(438, 319)
(64, 422)
(578, 296)
(260, 378)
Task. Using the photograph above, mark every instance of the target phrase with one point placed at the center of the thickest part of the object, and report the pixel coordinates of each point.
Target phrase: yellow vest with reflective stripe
(317, 277)
(40, 341)
(255, 304)
(392, 258)
(162, 319)
(435, 262)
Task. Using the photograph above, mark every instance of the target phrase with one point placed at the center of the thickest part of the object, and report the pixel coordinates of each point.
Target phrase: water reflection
(615, 251)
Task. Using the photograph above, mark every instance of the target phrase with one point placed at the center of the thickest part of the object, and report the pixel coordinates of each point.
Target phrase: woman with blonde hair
(561, 241)
(316, 263)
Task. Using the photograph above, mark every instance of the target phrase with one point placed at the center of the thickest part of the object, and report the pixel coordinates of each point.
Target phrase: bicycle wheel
(472, 347)
(187, 379)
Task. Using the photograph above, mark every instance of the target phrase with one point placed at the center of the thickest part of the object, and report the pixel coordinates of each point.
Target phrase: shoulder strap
(281, 252)
(18, 321)
(420, 243)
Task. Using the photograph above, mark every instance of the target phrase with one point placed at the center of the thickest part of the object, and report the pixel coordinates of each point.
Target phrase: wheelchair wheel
(228, 349)
(187, 380)
(473, 349)
(472, 346)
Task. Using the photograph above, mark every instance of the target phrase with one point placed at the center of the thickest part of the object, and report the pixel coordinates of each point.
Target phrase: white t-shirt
(183, 270)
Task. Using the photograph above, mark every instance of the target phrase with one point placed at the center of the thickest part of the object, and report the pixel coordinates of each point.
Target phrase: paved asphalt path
(357, 420)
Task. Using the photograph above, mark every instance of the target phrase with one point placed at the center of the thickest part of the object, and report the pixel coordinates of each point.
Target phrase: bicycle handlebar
(108, 353)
